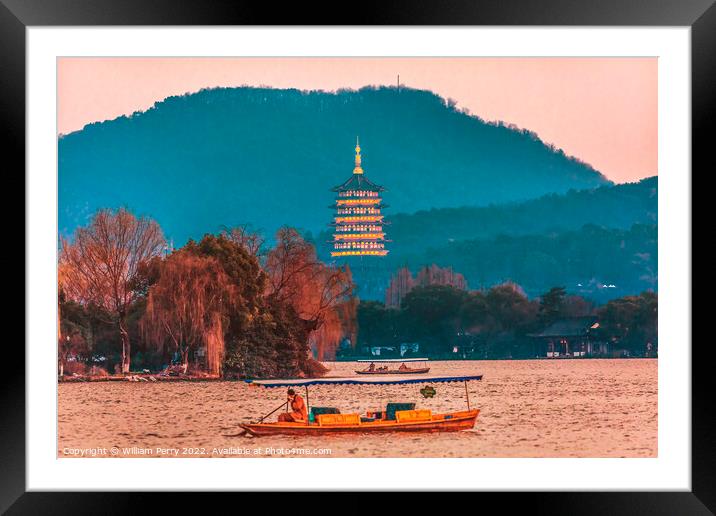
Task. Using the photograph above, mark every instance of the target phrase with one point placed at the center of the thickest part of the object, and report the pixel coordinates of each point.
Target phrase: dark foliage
(632, 321)
(496, 323)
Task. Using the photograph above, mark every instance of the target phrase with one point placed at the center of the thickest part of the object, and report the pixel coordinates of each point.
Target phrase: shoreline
(141, 377)
(156, 377)
(377, 359)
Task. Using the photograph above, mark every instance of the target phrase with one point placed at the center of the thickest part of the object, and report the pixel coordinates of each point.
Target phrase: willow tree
(320, 294)
(187, 306)
(60, 282)
(101, 262)
(338, 323)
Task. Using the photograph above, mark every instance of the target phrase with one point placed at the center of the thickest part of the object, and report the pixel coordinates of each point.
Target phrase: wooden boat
(410, 420)
(410, 370)
(398, 370)
(453, 421)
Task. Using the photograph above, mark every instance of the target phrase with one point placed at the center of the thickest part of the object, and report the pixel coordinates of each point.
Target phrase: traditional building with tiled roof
(571, 338)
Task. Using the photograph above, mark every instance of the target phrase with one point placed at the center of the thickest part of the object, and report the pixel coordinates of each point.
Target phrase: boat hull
(452, 422)
(397, 371)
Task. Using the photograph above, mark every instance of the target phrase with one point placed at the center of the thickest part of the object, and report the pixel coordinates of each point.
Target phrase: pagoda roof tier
(380, 223)
(362, 217)
(379, 240)
(379, 237)
(374, 206)
(357, 237)
(358, 182)
(366, 252)
(352, 236)
(359, 201)
(367, 240)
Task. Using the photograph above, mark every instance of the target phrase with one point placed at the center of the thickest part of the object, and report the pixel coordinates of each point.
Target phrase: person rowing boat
(402, 369)
(298, 407)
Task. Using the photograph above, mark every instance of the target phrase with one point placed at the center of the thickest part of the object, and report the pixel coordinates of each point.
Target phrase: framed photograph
(422, 251)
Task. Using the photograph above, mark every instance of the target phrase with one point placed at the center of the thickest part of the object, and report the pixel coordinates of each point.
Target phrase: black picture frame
(700, 15)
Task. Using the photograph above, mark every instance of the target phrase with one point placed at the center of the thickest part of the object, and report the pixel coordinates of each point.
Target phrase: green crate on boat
(317, 411)
(392, 408)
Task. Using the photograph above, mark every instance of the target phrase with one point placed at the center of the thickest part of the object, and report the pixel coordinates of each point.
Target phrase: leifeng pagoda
(358, 221)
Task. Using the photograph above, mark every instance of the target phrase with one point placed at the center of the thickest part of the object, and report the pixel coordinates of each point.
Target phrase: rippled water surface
(537, 408)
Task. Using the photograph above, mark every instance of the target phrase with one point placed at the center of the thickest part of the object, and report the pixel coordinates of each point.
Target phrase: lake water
(535, 408)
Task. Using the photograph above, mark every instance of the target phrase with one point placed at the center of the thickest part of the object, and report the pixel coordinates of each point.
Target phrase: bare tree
(101, 262)
(187, 305)
(316, 291)
(243, 235)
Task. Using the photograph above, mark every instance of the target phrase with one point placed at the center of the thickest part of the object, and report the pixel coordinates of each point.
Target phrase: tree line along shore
(231, 306)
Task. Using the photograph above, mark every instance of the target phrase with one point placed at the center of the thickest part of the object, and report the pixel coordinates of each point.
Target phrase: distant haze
(601, 110)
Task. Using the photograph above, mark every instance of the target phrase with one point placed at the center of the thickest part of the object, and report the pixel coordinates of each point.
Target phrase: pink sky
(601, 110)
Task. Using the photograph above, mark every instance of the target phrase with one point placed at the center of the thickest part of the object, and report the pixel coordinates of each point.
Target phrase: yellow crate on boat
(402, 416)
(338, 419)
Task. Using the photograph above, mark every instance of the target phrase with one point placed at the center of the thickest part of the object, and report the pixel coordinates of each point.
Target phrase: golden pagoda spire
(357, 169)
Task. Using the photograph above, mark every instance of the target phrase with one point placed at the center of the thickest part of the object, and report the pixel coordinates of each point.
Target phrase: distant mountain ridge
(600, 243)
(269, 157)
(618, 206)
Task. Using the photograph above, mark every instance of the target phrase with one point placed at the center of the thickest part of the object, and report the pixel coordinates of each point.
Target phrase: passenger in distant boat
(371, 367)
(298, 409)
(403, 367)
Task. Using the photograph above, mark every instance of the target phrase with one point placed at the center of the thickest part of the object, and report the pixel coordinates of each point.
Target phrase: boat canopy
(394, 360)
(375, 380)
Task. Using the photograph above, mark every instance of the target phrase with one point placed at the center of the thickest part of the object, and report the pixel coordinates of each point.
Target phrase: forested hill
(596, 262)
(618, 206)
(269, 157)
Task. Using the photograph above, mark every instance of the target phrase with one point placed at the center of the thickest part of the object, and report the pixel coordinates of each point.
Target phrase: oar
(274, 410)
(244, 432)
